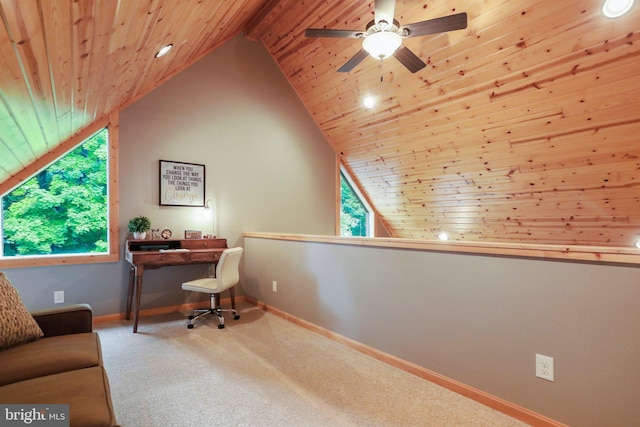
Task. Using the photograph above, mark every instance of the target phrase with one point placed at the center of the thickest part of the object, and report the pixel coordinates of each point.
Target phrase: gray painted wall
(476, 319)
(267, 165)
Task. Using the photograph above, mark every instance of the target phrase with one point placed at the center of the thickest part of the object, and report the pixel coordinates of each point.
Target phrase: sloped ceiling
(524, 127)
(67, 63)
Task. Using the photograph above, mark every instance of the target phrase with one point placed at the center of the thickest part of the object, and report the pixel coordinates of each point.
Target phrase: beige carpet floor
(262, 370)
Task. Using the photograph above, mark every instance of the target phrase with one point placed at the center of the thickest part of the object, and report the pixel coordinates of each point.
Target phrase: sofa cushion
(49, 356)
(17, 326)
(86, 391)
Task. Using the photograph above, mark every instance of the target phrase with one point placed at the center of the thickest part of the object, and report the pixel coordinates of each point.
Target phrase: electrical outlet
(274, 286)
(544, 367)
(58, 297)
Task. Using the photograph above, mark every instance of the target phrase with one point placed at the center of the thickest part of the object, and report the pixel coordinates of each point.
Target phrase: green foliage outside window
(63, 209)
(353, 214)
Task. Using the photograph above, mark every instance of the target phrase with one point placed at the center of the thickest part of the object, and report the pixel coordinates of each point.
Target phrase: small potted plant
(139, 227)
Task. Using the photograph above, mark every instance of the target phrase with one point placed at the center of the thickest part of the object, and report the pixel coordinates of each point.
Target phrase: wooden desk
(151, 254)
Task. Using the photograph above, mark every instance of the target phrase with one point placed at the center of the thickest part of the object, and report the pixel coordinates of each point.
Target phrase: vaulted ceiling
(524, 127)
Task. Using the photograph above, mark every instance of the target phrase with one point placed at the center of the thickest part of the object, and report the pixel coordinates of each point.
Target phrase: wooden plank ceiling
(524, 127)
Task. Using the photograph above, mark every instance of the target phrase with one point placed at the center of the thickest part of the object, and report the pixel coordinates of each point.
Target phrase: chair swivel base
(215, 311)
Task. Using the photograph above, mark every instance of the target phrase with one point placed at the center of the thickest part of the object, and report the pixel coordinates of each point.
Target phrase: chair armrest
(70, 319)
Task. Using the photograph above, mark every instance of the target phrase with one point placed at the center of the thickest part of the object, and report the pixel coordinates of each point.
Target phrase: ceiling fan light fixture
(616, 8)
(382, 45)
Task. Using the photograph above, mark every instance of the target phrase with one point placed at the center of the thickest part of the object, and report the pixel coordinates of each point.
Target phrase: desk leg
(132, 278)
(138, 287)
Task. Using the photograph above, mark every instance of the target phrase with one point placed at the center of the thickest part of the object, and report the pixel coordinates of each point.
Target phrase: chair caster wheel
(220, 326)
(189, 326)
(236, 317)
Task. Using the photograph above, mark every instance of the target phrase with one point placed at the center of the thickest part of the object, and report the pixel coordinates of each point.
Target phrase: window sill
(41, 261)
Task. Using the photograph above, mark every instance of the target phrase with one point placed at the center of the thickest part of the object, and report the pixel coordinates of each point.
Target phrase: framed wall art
(181, 184)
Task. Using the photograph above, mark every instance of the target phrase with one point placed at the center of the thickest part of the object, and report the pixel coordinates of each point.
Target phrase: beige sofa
(64, 366)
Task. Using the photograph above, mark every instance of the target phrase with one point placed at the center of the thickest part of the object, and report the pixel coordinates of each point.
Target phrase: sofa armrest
(70, 319)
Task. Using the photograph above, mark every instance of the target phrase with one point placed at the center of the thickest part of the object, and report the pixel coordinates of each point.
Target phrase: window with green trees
(355, 215)
(64, 208)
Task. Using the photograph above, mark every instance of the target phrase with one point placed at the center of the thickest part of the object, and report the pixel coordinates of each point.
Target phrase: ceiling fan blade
(384, 10)
(409, 59)
(355, 60)
(325, 32)
(437, 25)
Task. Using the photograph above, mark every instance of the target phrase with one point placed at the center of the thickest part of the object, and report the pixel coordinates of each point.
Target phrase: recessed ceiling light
(638, 244)
(616, 8)
(368, 101)
(443, 236)
(164, 50)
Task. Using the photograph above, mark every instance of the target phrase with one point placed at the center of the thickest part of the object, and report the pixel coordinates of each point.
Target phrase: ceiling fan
(383, 36)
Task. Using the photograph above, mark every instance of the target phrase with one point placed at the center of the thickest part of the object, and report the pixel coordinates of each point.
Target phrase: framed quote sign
(181, 184)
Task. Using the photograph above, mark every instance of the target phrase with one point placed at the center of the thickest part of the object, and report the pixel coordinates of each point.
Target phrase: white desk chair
(227, 277)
